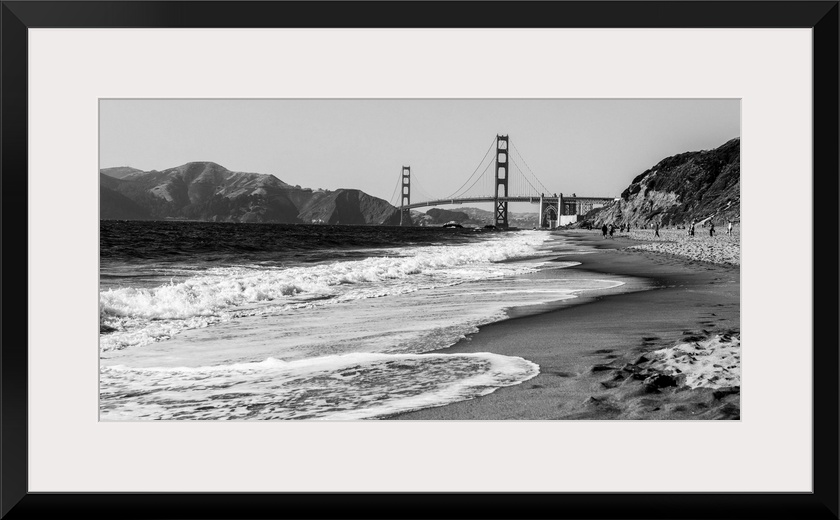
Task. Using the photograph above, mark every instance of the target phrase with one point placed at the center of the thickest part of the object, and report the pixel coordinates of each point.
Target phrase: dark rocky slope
(685, 187)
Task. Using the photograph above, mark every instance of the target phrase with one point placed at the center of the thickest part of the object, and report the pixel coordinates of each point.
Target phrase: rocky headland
(701, 186)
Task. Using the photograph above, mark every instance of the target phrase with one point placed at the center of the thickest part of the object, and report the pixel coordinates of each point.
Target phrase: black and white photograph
(419, 259)
(402, 259)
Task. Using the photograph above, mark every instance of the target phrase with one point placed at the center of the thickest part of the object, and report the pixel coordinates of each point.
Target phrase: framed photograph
(389, 259)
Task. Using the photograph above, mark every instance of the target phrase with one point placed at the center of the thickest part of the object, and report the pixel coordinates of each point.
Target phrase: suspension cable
(476, 180)
(515, 149)
(474, 171)
(416, 180)
(393, 200)
(525, 177)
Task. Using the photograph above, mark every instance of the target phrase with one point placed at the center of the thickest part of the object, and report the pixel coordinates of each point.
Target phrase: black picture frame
(16, 17)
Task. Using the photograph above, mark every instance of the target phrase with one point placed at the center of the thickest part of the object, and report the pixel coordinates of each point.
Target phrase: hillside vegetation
(691, 186)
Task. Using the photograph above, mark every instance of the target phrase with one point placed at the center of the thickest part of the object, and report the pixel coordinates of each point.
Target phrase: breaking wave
(134, 316)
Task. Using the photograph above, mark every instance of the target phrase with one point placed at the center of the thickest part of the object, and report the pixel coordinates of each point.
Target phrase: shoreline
(590, 349)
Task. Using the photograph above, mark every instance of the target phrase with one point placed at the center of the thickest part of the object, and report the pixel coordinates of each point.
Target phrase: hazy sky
(589, 147)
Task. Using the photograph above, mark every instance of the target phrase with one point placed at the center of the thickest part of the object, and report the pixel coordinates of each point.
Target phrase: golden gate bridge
(507, 182)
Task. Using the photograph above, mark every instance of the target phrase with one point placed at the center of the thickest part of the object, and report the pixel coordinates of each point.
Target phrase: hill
(345, 206)
(118, 206)
(210, 192)
(471, 217)
(119, 172)
(681, 188)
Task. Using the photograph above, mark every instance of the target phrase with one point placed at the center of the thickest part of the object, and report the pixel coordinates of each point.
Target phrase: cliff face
(679, 189)
(208, 191)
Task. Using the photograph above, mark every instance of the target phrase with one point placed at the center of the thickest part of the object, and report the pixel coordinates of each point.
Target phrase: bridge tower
(501, 181)
(548, 212)
(405, 213)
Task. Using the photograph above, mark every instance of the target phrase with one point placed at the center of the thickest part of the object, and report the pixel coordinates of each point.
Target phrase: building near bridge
(573, 207)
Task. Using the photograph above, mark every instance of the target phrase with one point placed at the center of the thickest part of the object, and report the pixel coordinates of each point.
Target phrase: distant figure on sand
(691, 229)
(656, 230)
(729, 228)
(711, 229)
(612, 230)
(604, 229)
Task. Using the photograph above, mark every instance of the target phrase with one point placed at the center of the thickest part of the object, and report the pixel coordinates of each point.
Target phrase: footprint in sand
(563, 374)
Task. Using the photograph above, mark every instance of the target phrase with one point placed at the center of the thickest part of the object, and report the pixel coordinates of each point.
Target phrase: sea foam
(137, 316)
(352, 340)
(353, 386)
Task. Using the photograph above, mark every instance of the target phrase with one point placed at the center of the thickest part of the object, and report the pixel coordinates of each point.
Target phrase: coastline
(590, 349)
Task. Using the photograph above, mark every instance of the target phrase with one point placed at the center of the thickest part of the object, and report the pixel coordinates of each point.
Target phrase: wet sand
(590, 352)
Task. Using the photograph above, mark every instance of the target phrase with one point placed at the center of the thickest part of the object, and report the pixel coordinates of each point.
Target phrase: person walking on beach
(711, 229)
(691, 229)
(604, 230)
(656, 230)
(612, 230)
(729, 228)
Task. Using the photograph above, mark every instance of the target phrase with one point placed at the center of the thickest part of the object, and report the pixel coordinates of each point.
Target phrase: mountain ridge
(204, 190)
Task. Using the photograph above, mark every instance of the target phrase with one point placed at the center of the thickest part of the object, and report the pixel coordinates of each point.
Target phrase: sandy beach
(718, 249)
(666, 347)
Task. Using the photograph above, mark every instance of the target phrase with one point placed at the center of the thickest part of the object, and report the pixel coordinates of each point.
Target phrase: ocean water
(258, 321)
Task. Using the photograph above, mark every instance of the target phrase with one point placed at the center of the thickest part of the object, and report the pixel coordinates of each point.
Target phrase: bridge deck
(532, 200)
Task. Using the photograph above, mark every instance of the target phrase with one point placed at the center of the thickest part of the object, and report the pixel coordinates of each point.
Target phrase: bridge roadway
(532, 200)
